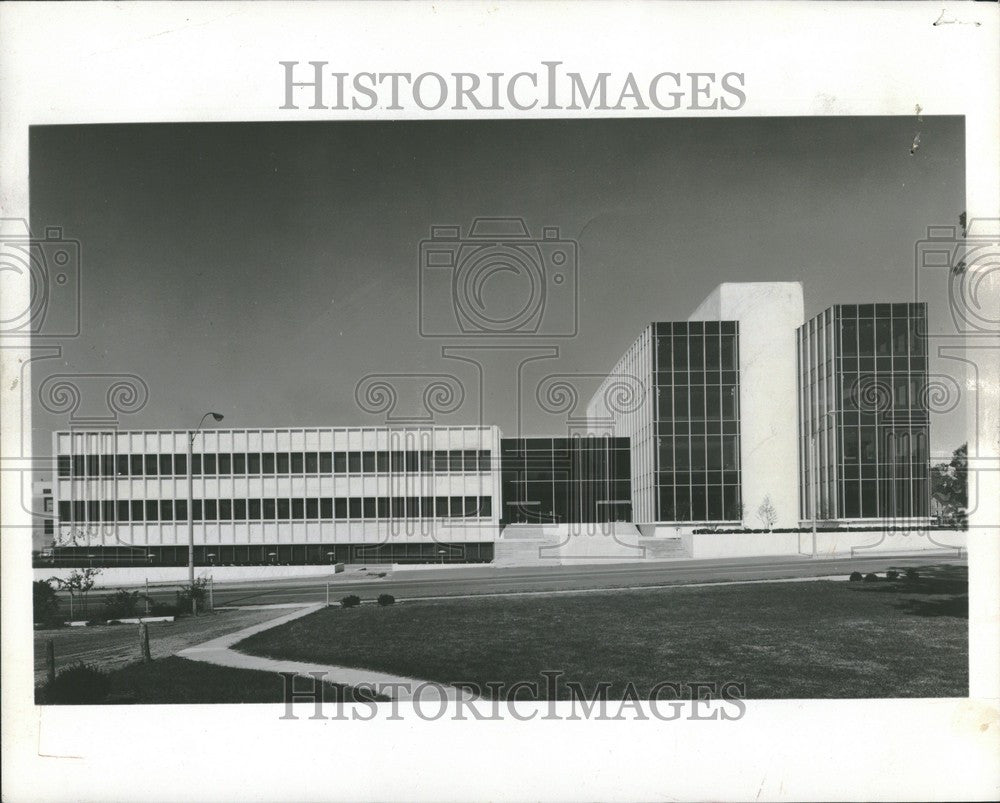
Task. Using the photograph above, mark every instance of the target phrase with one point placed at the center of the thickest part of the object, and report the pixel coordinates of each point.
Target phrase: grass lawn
(178, 680)
(818, 639)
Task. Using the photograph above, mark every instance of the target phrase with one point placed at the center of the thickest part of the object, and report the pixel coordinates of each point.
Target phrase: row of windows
(271, 554)
(913, 309)
(683, 352)
(697, 403)
(339, 508)
(254, 463)
(882, 337)
(697, 454)
(699, 503)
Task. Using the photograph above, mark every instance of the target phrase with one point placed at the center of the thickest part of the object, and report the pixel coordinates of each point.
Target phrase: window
(298, 509)
(138, 511)
(484, 460)
(369, 508)
(225, 464)
(239, 463)
(166, 465)
(455, 506)
(382, 462)
(211, 510)
(150, 465)
(412, 461)
(122, 512)
(107, 465)
(93, 465)
(326, 508)
(267, 462)
(196, 465)
(340, 508)
(339, 462)
(283, 462)
(240, 509)
(298, 463)
(325, 463)
(121, 465)
(368, 462)
(197, 511)
(354, 463)
(253, 463)
(225, 510)
(441, 506)
(486, 506)
(455, 460)
(180, 465)
(284, 509)
(270, 509)
(312, 508)
(152, 510)
(65, 464)
(254, 509)
(440, 461)
(354, 505)
(180, 510)
(312, 463)
(208, 464)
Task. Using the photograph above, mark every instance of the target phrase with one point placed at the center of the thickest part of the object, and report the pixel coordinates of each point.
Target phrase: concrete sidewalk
(219, 651)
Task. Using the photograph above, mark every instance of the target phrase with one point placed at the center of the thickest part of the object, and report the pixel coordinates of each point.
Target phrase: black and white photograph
(663, 415)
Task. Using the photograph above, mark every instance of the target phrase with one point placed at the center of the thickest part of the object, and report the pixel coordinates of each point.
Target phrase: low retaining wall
(120, 577)
(828, 544)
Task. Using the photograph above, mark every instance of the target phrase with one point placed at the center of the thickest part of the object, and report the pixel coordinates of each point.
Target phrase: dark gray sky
(263, 269)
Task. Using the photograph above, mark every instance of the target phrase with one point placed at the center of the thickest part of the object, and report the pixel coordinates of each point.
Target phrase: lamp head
(218, 417)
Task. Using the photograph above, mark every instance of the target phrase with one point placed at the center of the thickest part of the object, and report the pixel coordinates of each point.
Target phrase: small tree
(198, 591)
(80, 581)
(767, 514)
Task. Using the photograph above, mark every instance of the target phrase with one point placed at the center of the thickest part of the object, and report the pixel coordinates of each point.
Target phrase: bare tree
(80, 581)
(767, 514)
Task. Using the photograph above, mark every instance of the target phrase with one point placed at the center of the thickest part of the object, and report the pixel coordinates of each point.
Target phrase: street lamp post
(190, 505)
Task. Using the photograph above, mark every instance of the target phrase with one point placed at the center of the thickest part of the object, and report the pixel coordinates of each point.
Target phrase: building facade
(742, 408)
(710, 409)
(281, 496)
(565, 480)
(863, 422)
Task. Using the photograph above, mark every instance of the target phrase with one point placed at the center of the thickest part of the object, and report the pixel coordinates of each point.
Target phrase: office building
(863, 423)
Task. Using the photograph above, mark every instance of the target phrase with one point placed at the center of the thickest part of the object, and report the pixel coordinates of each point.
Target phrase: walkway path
(219, 651)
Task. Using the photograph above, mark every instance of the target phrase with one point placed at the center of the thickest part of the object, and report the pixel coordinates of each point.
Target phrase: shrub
(912, 574)
(197, 590)
(350, 601)
(871, 577)
(855, 577)
(892, 574)
(386, 599)
(122, 604)
(77, 685)
(45, 607)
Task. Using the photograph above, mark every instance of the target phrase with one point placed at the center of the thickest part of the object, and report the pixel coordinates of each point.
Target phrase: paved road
(412, 584)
